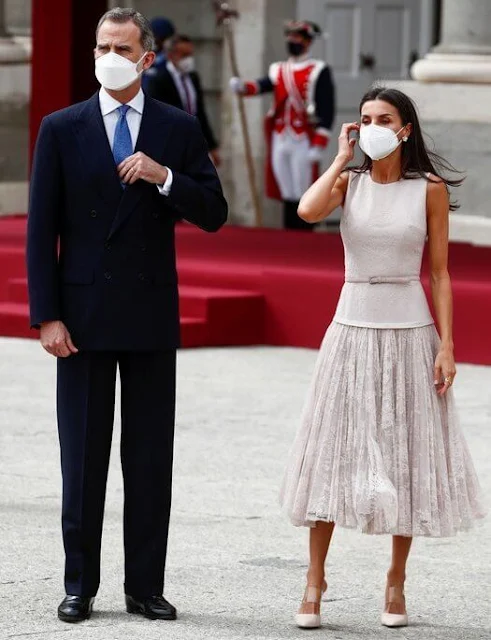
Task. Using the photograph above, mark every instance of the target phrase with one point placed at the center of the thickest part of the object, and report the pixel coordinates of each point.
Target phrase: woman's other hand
(445, 371)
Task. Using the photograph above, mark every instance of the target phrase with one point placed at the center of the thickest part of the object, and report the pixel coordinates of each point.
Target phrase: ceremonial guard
(298, 125)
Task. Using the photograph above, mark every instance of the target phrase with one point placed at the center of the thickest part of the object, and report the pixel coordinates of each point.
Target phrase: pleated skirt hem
(378, 450)
(369, 529)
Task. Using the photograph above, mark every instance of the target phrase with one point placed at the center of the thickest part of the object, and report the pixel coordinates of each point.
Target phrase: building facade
(364, 41)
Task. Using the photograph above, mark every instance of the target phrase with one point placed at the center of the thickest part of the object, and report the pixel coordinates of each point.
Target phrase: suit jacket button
(141, 276)
(156, 215)
(143, 247)
(107, 245)
(93, 213)
(108, 275)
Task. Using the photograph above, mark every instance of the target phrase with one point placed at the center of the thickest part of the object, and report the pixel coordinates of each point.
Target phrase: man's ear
(148, 60)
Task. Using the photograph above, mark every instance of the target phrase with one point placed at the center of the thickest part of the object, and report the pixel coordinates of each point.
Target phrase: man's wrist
(164, 174)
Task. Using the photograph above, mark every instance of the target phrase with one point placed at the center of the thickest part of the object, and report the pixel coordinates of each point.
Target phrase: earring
(405, 138)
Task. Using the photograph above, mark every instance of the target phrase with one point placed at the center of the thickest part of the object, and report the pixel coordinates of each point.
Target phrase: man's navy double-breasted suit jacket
(102, 258)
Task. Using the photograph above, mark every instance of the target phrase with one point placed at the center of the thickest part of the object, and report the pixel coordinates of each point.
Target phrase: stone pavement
(235, 566)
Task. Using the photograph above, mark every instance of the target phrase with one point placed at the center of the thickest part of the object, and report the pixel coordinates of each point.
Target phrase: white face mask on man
(378, 142)
(114, 72)
(187, 64)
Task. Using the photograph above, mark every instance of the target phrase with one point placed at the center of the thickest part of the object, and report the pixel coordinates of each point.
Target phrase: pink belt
(385, 279)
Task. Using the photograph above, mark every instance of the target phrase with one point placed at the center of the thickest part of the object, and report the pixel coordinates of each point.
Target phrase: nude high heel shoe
(394, 595)
(313, 597)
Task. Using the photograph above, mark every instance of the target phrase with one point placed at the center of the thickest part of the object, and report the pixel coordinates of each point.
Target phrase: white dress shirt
(110, 115)
(181, 79)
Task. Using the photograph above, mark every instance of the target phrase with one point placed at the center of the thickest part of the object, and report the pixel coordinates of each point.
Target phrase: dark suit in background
(162, 86)
(114, 285)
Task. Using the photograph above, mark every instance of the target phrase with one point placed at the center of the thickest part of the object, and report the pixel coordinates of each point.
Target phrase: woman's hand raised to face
(346, 144)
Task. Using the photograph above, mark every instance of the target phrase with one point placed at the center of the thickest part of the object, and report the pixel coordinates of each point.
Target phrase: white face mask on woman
(115, 72)
(378, 142)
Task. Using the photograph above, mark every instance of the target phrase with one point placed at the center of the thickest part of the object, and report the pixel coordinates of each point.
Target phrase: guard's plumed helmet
(305, 28)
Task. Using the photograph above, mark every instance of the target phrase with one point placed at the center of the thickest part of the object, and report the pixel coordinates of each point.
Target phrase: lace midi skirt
(378, 449)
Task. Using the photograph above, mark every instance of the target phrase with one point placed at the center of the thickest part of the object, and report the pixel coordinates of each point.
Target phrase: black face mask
(295, 48)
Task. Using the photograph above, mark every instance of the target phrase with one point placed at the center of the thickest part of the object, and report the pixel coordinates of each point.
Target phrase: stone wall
(18, 16)
(457, 121)
(14, 105)
(453, 91)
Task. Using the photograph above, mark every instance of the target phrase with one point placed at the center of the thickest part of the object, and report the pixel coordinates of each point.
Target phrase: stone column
(464, 52)
(453, 93)
(14, 97)
(10, 51)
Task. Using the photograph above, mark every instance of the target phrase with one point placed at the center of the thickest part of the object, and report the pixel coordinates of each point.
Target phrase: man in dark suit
(110, 178)
(178, 84)
(163, 30)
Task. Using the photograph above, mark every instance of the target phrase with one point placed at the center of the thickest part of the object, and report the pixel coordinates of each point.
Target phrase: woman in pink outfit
(379, 446)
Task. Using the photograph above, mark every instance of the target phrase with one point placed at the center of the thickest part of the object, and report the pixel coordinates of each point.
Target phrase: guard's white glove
(316, 154)
(237, 85)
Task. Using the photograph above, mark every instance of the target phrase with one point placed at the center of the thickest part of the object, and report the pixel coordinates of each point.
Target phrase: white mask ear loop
(141, 71)
(404, 138)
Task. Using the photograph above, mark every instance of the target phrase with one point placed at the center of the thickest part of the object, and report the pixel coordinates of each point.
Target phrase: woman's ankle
(315, 577)
(395, 576)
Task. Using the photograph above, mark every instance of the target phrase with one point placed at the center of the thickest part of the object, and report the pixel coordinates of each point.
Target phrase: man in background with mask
(179, 84)
(163, 30)
(110, 178)
(298, 125)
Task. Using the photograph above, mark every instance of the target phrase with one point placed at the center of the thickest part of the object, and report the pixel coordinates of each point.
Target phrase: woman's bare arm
(437, 206)
(328, 192)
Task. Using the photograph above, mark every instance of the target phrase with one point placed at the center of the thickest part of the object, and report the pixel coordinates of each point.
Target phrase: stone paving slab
(235, 565)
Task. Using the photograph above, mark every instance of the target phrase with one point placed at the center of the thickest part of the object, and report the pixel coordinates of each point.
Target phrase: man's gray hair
(121, 15)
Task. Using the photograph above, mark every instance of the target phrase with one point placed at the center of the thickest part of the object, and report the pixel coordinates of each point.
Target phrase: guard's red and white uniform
(298, 122)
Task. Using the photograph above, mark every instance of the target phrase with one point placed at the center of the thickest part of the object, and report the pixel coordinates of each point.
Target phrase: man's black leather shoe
(153, 607)
(75, 608)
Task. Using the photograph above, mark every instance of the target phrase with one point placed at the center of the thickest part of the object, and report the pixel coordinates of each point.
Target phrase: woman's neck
(388, 169)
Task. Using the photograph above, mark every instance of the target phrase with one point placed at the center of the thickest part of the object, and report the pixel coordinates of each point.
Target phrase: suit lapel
(94, 146)
(177, 96)
(153, 139)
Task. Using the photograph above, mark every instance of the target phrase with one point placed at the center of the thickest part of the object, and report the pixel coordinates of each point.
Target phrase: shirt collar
(109, 104)
(175, 71)
(172, 68)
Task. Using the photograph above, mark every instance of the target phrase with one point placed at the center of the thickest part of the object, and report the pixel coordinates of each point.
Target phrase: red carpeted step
(12, 265)
(210, 316)
(294, 279)
(17, 290)
(14, 321)
(233, 317)
(193, 332)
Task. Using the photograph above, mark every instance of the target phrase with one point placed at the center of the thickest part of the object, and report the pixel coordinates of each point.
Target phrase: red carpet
(250, 286)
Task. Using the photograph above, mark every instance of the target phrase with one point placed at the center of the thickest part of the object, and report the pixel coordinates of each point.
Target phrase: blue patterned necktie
(122, 146)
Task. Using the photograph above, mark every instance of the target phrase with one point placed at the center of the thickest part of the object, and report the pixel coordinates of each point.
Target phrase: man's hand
(56, 339)
(141, 167)
(216, 157)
